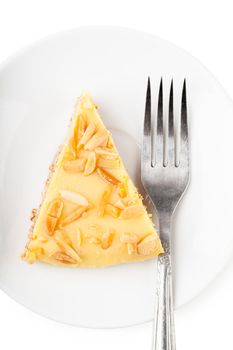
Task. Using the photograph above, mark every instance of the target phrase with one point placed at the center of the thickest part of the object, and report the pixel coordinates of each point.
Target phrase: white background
(205, 29)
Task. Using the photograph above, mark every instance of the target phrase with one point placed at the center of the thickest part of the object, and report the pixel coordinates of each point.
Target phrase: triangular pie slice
(91, 214)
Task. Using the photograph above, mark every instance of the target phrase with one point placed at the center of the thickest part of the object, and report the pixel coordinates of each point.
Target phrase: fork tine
(184, 127)
(159, 145)
(147, 126)
(171, 142)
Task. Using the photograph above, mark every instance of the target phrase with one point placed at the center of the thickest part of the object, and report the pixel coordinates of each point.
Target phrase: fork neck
(165, 219)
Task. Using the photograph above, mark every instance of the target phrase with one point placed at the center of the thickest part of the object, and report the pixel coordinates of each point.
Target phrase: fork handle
(164, 332)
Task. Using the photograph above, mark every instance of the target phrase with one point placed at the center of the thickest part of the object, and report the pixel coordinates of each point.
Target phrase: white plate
(38, 88)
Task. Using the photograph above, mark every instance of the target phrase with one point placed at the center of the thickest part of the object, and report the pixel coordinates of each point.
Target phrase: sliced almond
(149, 245)
(74, 166)
(73, 216)
(106, 153)
(106, 240)
(84, 215)
(129, 238)
(111, 210)
(107, 177)
(79, 129)
(105, 140)
(120, 204)
(132, 248)
(76, 239)
(54, 212)
(68, 156)
(108, 163)
(42, 239)
(51, 223)
(96, 140)
(132, 212)
(90, 130)
(55, 207)
(63, 241)
(91, 164)
(83, 153)
(129, 201)
(64, 258)
(74, 197)
(123, 188)
(104, 200)
(110, 143)
(72, 146)
(93, 235)
(39, 251)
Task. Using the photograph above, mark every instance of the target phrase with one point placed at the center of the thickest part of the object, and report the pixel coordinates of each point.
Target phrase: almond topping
(73, 216)
(74, 239)
(129, 201)
(87, 134)
(119, 204)
(111, 210)
(78, 238)
(123, 188)
(104, 200)
(68, 156)
(63, 241)
(132, 212)
(51, 223)
(108, 163)
(106, 239)
(82, 153)
(74, 166)
(54, 212)
(109, 143)
(42, 239)
(74, 197)
(55, 208)
(72, 146)
(91, 164)
(106, 153)
(96, 140)
(79, 129)
(132, 248)
(129, 238)
(64, 258)
(84, 215)
(150, 245)
(39, 251)
(107, 177)
(105, 140)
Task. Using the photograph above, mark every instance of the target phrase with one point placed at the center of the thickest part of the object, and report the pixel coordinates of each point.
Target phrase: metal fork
(165, 177)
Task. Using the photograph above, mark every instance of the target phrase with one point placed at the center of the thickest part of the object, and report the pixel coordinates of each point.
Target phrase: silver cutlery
(165, 177)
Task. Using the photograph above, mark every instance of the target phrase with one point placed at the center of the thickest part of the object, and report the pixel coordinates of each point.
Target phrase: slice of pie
(91, 214)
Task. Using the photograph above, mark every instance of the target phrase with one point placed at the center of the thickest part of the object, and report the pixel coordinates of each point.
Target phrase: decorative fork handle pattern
(164, 332)
(164, 337)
